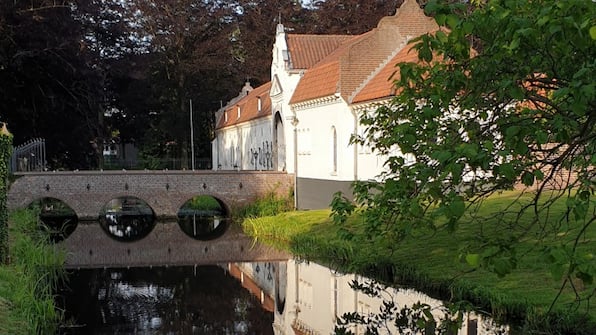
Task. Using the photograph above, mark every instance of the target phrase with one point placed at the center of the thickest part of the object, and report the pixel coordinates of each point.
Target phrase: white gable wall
(284, 82)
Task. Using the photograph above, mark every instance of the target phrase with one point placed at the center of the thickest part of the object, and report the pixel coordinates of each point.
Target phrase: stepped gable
(410, 20)
(249, 107)
(307, 50)
(356, 62)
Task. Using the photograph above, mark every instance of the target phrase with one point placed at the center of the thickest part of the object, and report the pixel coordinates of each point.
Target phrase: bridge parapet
(87, 192)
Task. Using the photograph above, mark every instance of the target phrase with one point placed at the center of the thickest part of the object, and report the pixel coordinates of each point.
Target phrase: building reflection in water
(307, 298)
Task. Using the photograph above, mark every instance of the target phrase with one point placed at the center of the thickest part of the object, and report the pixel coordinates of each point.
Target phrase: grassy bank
(431, 262)
(28, 283)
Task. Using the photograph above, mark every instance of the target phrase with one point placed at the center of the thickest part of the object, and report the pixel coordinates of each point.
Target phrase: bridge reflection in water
(280, 297)
(128, 234)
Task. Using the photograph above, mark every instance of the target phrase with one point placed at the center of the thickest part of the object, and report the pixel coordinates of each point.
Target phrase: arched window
(334, 150)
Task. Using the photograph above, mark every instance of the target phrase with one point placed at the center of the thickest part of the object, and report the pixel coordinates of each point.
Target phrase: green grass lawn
(28, 283)
(431, 260)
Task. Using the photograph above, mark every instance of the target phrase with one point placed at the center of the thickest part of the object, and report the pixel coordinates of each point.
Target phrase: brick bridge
(165, 192)
(87, 192)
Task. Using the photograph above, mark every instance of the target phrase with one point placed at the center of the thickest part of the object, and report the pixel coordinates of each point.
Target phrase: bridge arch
(127, 219)
(56, 216)
(204, 217)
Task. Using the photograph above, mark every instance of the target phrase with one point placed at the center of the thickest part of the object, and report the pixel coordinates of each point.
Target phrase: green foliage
(28, 284)
(203, 202)
(5, 152)
(503, 95)
(269, 205)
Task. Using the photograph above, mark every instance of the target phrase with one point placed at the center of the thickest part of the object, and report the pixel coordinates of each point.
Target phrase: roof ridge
(323, 35)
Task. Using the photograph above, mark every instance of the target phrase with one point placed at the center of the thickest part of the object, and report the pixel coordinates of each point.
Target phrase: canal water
(163, 300)
(290, 297)
(278, 297)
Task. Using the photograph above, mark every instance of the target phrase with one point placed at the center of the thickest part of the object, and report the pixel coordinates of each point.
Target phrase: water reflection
(203, 226)
(127, 218)
(56, 217)
(203, 218)
(174, 300)
(309, 299)
(284, 298)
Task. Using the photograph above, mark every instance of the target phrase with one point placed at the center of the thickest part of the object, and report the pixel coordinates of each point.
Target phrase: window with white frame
(333, 150)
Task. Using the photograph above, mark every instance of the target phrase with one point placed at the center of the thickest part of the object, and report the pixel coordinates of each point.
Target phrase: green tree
(502, 96)
(190, 50)
(349, 16)
(49, 88)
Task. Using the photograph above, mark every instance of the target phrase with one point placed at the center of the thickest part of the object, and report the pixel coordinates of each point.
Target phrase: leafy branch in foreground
(502, 96)
(395, 318)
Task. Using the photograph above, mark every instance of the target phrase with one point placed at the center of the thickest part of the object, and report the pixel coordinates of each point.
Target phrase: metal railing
(29, 156)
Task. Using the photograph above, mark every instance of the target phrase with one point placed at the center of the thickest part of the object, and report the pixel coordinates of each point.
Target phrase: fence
(29, 156)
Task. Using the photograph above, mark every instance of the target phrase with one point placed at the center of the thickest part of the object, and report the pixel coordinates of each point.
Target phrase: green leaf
(528, 178)
(457, 207)
(452, 21)
(512, 131)
(557, 270)
(440, 19)
(441, 36)
(507, 171)
(514, 44)
(580, 210)
(473, 259)
(541, 137)
(593, 32)
(502, 266)
(542, 20)
(441, 156)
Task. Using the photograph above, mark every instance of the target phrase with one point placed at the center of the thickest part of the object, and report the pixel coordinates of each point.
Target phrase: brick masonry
(87, 192)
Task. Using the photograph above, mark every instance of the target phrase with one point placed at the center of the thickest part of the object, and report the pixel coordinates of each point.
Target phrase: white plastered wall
(234, 145)
(316, 125)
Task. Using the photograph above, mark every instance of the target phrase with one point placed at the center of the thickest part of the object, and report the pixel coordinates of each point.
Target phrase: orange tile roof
(323, 79)
(248, 107)
(381, 85)
(307, 50)
(317, 84)
(353, 63)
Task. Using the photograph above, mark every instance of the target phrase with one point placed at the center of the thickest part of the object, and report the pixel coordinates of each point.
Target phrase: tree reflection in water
(173, 300)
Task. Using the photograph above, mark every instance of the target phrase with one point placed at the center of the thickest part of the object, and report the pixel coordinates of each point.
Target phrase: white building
(320, 86)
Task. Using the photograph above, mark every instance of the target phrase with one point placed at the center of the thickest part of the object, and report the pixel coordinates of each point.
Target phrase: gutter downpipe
(355, 113)
(295, 124)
